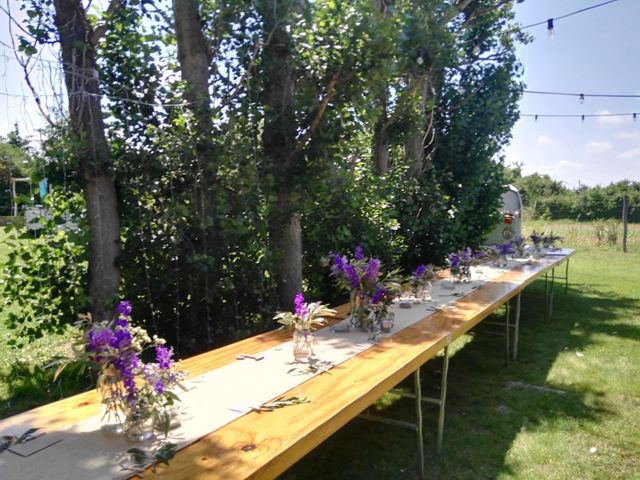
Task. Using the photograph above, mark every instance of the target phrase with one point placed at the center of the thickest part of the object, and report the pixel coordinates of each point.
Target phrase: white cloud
(628, 135)
(597, 147)
(546, 141)
(629, 154)
(555, 169)
(564, 164)
(610, 120)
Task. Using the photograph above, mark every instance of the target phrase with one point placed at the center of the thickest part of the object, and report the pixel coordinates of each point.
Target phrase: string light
(581, 98)
(550, 21)
(579, 115)
(581, 95)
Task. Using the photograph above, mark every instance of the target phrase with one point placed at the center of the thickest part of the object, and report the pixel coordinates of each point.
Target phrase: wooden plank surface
(263, 445)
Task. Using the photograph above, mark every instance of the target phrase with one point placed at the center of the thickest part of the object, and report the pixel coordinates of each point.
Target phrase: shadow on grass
(488, 404)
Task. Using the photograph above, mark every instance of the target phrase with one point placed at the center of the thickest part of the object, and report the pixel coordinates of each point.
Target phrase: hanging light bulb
(581, 98)
(634, 116)
(476, 50)
(582, 118)
(550, 26)
(535, 118)
(521, 90)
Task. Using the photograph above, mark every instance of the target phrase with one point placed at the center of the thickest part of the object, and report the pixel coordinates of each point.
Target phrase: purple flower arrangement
(305, 315)
(370, 292)
(536, 238)
(126, 382)
(460, 263)
(422, 275)
(503, 249)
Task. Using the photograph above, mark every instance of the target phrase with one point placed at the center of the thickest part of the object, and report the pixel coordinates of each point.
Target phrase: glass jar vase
(302, 344)
(138, 425)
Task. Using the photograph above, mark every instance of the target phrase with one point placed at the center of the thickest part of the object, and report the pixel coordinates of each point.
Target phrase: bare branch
(25, 67)
(7, 12)
(322, 108)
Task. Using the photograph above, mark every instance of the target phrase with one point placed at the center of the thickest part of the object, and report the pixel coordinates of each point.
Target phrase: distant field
(585, 234)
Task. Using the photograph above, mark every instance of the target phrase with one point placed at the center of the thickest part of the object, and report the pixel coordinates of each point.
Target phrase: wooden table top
(263, 445)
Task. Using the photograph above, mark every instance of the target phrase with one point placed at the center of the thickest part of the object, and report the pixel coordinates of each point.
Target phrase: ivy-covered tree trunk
(194, 58)
(92, 150)
(280, 150)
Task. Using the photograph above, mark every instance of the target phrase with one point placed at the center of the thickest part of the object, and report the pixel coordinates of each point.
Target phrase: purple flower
(126, 364)
(125, 308)
(299, 304)
(163, 357)
(380, 292)
(99, 339)
(121, 339)
(352, 275)
(466, 255)
(159, 387)
(339, 263)
(504, 249)
(121, 321)
(453, 259)
(358, 253)
(373, 268)
(419, 271)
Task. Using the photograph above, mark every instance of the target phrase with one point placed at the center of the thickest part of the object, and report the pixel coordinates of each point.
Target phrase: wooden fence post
(625, 221)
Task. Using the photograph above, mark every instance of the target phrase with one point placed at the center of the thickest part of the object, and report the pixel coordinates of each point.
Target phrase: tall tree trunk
(380, 150)
(414, 147)
(381, 143)
(280, 149)
(94, 156)
(194, 58)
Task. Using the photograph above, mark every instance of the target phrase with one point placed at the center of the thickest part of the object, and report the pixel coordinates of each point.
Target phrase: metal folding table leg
(546, 296)
(418, 391)
(443, 398)
(516, 330)
(417, 427)
(506, 334)
(566, 276)
(417, 395)
(553, 272)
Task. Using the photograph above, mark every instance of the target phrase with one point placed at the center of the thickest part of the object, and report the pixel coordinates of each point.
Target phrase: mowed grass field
(568, 408)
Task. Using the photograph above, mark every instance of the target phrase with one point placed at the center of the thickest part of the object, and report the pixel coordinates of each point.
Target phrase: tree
(78, 41)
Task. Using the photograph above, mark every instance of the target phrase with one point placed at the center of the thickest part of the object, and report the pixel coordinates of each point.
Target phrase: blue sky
(597, 51)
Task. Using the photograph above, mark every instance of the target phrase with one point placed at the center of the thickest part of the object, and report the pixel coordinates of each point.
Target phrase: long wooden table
(263, 445)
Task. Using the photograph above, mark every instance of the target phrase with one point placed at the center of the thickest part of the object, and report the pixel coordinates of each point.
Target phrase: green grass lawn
(568, 408)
